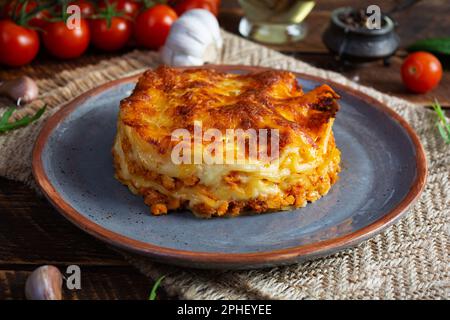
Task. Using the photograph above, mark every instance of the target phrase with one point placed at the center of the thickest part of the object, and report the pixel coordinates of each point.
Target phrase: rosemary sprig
(6, 126)
(442, 124)
(155, 287)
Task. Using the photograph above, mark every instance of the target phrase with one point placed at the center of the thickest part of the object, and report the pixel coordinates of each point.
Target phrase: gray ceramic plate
(384, 171)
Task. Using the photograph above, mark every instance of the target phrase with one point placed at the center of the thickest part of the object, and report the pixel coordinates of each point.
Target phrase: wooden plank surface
(100, 283)
(32, 233)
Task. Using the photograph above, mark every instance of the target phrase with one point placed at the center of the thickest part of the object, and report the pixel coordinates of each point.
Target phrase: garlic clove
(44, 283)
(23, 88)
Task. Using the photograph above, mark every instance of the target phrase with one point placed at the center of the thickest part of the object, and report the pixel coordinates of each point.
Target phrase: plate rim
(226, 260)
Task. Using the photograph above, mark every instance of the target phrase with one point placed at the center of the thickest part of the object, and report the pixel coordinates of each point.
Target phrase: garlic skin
(44, 283)
(193, 40)
(22, 89)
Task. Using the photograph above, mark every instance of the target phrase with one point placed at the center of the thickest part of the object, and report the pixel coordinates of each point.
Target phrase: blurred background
(414, 21)
(299, 28)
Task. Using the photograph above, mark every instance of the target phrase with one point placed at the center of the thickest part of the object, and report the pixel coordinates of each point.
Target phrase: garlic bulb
(193, 39)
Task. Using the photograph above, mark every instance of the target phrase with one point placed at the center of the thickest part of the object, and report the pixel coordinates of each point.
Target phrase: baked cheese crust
(168, 99)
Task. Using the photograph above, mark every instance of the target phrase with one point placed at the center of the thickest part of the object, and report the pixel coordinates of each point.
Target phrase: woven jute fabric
(410, 260)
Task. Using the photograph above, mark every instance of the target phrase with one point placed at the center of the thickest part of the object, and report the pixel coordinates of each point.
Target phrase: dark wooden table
(32, 233)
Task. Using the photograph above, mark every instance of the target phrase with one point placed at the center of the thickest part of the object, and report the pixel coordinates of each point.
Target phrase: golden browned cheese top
(168, 98)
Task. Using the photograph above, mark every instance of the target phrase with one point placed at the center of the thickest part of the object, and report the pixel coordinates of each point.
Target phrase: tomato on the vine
(87, 8)
(19, 45)
(129, 7)
(152, 26)
(65, 43)
(112, 37)
(185, 5)
(38, 20)
(421, 72)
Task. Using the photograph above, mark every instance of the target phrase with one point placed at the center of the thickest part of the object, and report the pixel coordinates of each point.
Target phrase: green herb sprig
(155, 287)
(6, 126)
(442, 124)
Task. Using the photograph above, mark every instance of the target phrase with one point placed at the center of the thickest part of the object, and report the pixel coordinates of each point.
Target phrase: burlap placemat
(408, 261)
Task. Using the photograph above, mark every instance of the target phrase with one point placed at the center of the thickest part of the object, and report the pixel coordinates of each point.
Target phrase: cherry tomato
(9, 8)
(18, 45)
(421, 72)
(39, 20)
(65, 43)
(129, 7)
(86, 7)
(185, 5)
(113, 38)
(152, 26)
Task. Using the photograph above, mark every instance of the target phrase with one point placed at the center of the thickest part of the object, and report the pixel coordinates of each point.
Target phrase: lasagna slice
(302, 170)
